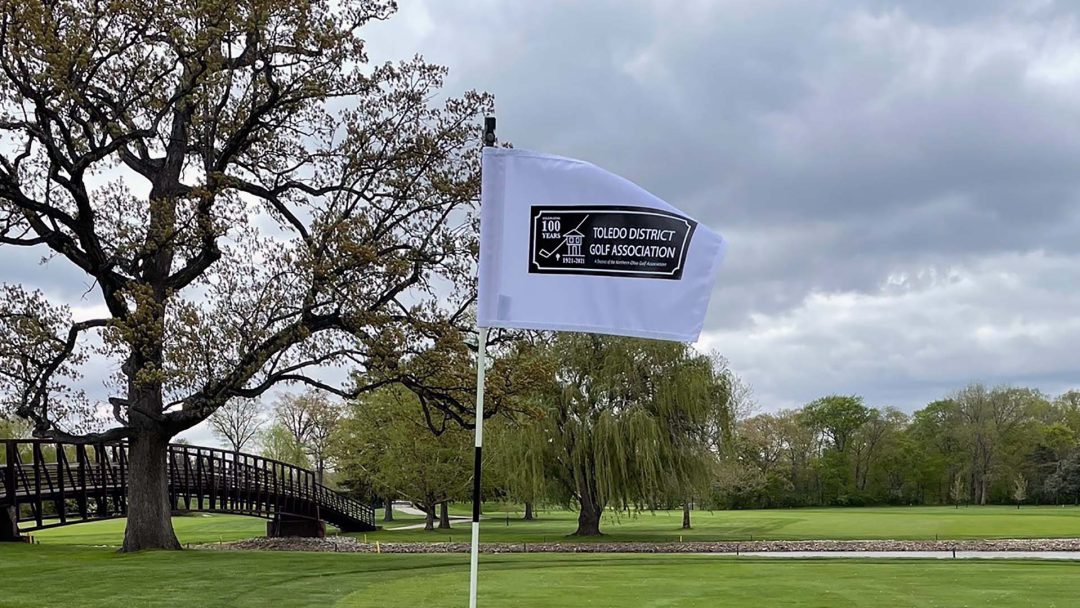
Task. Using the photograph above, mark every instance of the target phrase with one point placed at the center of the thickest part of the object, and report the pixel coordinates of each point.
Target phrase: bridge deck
(52, 483)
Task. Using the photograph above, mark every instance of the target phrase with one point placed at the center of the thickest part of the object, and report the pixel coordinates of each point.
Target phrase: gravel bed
(348, 544)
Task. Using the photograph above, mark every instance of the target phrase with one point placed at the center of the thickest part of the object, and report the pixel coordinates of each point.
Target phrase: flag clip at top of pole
(568, 246)
(489, 131)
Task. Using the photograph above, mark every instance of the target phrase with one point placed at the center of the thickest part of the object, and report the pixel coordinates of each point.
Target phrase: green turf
(194, 528)
(92, 577)
(854, 523)
(782, 524)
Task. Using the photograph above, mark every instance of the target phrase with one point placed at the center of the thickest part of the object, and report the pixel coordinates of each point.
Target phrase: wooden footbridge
(48, 484)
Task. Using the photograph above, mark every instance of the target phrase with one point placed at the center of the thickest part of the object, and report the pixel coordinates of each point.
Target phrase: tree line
(980, 445)
(637, 425)
(608, 424)
(623, 424)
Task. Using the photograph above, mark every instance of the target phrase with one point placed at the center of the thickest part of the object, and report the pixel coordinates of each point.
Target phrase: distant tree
(739, 484)
(756, 459)
(295, 414)
(988, 420)
(383, 442)
(325, 417)
(1068, 404)
(957, 491)
(868, 442)
(13, 428)
(1019, 489)
(277, 443)
(1070, 399)
(237, 422)
(311, 418)
(838, 417)
(934, 431)
(1065, 480)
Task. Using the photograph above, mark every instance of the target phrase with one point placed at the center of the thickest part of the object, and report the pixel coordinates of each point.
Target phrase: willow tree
(629, 423)
(518, 461)
(251, 200)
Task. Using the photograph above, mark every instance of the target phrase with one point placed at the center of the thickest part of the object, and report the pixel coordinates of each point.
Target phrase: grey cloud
(838, 144)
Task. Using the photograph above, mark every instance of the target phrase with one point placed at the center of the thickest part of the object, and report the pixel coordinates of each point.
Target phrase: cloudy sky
(898, 180)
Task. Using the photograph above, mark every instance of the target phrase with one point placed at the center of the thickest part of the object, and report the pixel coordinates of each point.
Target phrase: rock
(348, 544)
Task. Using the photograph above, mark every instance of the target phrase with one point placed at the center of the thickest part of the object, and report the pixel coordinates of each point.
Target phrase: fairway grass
(865, 523)
(871, 523)
(45, 575)
(196, 528)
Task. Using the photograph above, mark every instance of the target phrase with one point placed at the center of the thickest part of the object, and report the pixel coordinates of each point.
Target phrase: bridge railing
(88, 478)
(53, 483)
(222, 480)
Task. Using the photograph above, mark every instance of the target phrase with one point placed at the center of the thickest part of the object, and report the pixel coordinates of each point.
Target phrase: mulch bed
(348, 544)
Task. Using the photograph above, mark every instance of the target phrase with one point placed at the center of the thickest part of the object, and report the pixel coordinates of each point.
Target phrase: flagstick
(481, 356)
(481, 353)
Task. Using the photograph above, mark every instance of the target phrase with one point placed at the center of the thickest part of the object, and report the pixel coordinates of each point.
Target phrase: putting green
(704, 582)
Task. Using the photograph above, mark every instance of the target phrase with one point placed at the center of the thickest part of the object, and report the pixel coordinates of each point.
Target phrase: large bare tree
(237, 422)
(250, 198)
(311, 419)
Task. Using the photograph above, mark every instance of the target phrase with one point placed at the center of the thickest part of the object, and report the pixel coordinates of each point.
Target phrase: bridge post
(11, 456)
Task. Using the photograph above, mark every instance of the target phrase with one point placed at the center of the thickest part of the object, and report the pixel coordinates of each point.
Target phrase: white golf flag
(567, 246)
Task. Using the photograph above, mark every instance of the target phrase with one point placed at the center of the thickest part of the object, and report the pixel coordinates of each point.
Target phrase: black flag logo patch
(608, 241)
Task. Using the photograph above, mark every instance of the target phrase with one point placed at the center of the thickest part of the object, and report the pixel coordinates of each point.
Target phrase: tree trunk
(589, 515)
(529, 511)
(588, 521)
(444, 515)
(388, 509)
(429, 517)
(686, 515)
(149, 514)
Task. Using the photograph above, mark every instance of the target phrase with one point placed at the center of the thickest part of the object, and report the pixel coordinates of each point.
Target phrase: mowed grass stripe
(869, 523)
(904, 523)
(94, 577)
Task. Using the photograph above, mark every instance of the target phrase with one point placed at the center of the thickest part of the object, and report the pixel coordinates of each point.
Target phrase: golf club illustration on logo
(571, 239)
(609, 240)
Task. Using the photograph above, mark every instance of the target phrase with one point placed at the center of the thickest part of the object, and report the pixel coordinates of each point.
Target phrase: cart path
(408, 509)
